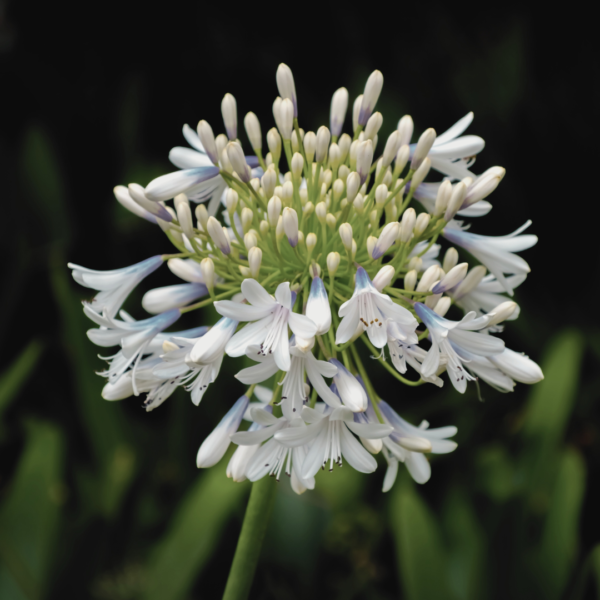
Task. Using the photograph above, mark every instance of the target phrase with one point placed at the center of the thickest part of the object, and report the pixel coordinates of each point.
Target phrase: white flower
(348, 388)
(495, 252)
(114, 286)
(273, 458)
(426, 194)
(447, 335)
(486, 295)
(172, 296)
(271, 318)
(329, 437)
(453, 155)
(215, 445)
(212, 345)
(407, 444)
(294, 394)
(370, 308)
(518, 366)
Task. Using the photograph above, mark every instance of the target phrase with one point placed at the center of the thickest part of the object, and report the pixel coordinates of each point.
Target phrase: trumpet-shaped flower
(114, 286)
(371, 309)
(496, 253)
(270, 319)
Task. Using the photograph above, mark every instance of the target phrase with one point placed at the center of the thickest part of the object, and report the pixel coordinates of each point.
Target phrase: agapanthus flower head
(319, 263)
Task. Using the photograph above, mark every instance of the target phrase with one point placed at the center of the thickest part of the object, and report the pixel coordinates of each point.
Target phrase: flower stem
(246, 556)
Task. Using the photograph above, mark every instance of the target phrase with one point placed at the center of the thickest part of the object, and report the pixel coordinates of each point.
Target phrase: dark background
(94, 96)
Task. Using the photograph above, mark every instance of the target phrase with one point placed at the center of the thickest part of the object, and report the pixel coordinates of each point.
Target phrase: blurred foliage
(101, 500)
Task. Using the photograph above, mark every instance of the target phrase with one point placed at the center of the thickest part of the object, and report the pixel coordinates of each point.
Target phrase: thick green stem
(244, 563)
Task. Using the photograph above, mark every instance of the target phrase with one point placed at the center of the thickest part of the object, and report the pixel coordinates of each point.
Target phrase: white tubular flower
(252, 125)
(452, 278)
(134, 337)
(329, 437)
(273, 458)
(339, 106)
(348, 388)
(485, 294)
(453, 155)
(271, 317)
(449, 337)
(407, 351)
(318, 309)
(388, 236)
(407, 443)
(483, 186)
(238, 464)
(213, 448)
(496, 253)
(435, 197)
(294, 394)
(517, 366)
(370, 308)
(114, 286)
(127, 202)
(212, 345)
(370, 96)
(134, 194)
(172, 296)
(286, 86)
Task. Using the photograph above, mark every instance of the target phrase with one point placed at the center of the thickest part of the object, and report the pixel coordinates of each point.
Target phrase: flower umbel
(316, 258)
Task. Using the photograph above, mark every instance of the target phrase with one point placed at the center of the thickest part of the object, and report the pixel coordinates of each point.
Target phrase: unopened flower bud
(221, 142)
(264, 228)
(245, 271)
(308, 209)
(502, 312)
(442, 306)
(370, 96)
(218, 235)
(442, 199)
(483, 186)
(255, 183)
(381, 194)
(202, 216)
(416, 263)
(286, 118)
(352, 185)
(287, 193)
(422, 223)
(268, 182)
(410, 280)
(168, 346)
(323, 138)
(250, 240)
(184, 215)
(429, 277)
(450, 259)
(371, 243)
(423, 147)
(310, 146)
(286, 87)
(207, 268)
(407, 225)
(356, 112)
(384, 277)
(452, 278)
(338, 189)
(314, 269)
(456, 199)
(238, 161)
(344, 143)
(321, 211)
(346, 235)
(311, 241)
(353, 249)
(374, 219)
(364, 159)
(388, 236)
(402, 157)
(391, 149)
(405, 130)
(335, 156)
(373, 126)
(297, 165)
(290, 225)
(247, 217)
(231, 200)
(330, 220)
(252, 125)
(274, 143)
(359, 204)
(339, 106)
(333, 262)
(229, 110)
(470, 282)
(420, 173)
(279, 231)
(254, 261)
(273, 210)
(207, 138)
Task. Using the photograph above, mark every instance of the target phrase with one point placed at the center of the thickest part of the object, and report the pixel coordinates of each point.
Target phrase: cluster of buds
(322, 239)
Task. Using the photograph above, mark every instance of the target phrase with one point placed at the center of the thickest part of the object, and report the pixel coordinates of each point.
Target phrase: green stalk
(256, 519)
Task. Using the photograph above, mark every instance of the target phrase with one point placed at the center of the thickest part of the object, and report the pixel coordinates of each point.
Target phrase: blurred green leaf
(495, 472)
(466, 546)
(15, 376)
(340, 487)
(43, 183)
(29, 514)
(560, 540)
(104, 421)
(422, 562)
(193, 535)
(548, 409)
